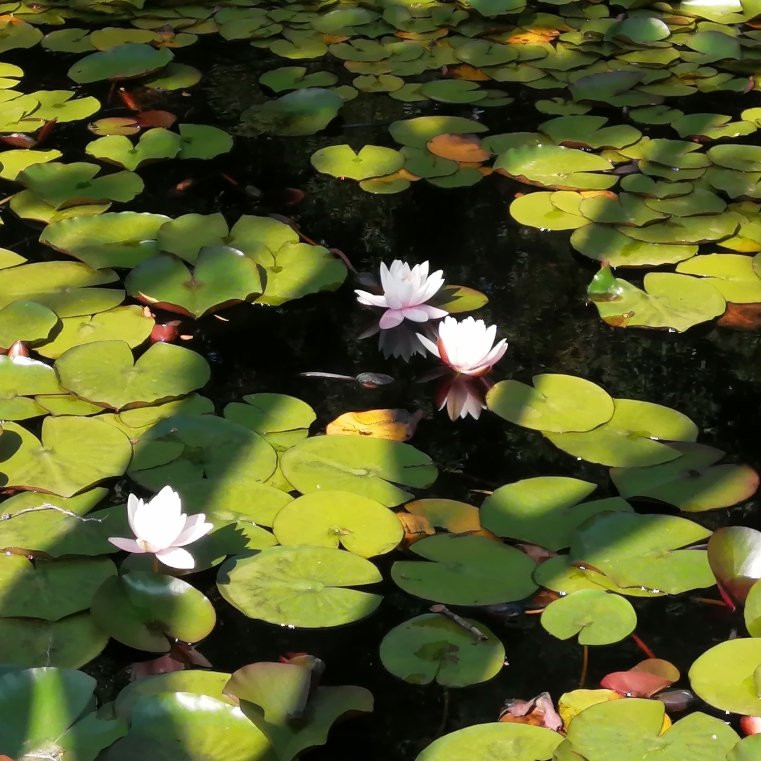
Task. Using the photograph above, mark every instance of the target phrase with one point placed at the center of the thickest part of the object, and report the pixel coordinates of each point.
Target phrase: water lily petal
(176, 557)
(128, 545)
(430, 345)
(371, 299)
(390, 319)
(195, 528)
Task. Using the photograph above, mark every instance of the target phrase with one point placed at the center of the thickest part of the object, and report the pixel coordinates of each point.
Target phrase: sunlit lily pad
(62, 106)
(143, 610)
(371, 161)
(368, 467)
(553, 166)
(296, 78)
(306, 587)
(633, 728)
(692, 482)
(520, 742)
(645, 551)
(606, 243)
(283, 420)
(175, 76)
(15, 161)
(49, 589)
(417, 132)
(465, 570)
(76, 452)
(634, 436)
(554, 403)
(133, 59)
(202, 141)
(329, 518)
(62, 185)
(589, 131)
(15, 33)
(543, 510)
(185, 448)
(669, 300)
(221, 276)
(537, 210)
(431, 647)
(733, 275)
(114, 239)
(105, 372)
(25, 321)
(726, 676)
(597, 617)
(124, 323)
(153, 145)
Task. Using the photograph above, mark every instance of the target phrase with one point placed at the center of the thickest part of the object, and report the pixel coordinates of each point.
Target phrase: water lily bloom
(161, 528)
(405, 293)
(467, 346)
(462, 395)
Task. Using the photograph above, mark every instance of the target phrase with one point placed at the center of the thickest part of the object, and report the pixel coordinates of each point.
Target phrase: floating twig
(474, 631)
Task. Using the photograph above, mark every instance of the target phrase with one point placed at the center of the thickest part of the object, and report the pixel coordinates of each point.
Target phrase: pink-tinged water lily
(466, 346)
(405, 293)
(462, 395)
(162, 529)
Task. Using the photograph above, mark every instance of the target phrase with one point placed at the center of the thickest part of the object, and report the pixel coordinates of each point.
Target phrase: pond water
(536, 284)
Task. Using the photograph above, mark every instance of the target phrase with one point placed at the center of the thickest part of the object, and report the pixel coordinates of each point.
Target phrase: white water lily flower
(405, 293)
(467, 346)
(161, 528)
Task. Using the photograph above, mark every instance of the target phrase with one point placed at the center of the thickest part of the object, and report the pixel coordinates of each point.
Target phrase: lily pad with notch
(155, 144)
(127, 61)
(147, 610)
(106, 373)
(465, 570)
(735, 276)
(297, 113)
(365, 466)
(431, 648)
(371, 161)
(305, 587)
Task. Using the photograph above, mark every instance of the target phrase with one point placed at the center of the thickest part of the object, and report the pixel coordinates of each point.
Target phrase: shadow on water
(536, 289)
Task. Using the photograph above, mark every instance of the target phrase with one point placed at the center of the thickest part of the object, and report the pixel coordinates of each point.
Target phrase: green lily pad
(418, 132)
(305, 587)
(537, 210)
(15, 34)
(75, 453)
(50, 589)
(125, 323)
(26, 205)
(606, 243)
(175, 76)
(283, 420)
(121, 239)
(599, 618)
(202, 141)
(747, 749)
(13, 162)
(752, 611)
(726, 676)
(54, 525)
(589, 131)
(733, 275)
(636, 550)
(554, 403)
(47, 713)
(185, 236)
(180, 725)
(20, 378)
(431, 647)
(62, 106)
(733, 553)
(543, 511)
(329, 518)
(64, 185)
(519, 742)
(465, 570)
(371, 161)
(453, 91)
(692, 482)
(634, 436)
(105, 372)
(302, 112)
(631, 729)
(296, 78)
(368, 467)
(669, 300)
(71, 40)
(25, 321)
(222, 276)
(155, 144)
(133, 59)
(553, 166)
(64, 287)
(272, 694)
(142, 610)
(66, 404)
(677, 231)
(711, 126)
(184, 448)
(68, 643)
(457, 299)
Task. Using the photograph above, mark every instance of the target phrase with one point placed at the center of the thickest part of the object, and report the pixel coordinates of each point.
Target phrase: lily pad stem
(584, 666)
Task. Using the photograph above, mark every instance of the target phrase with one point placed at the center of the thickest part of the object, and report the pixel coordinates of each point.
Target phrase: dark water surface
(536, 286)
